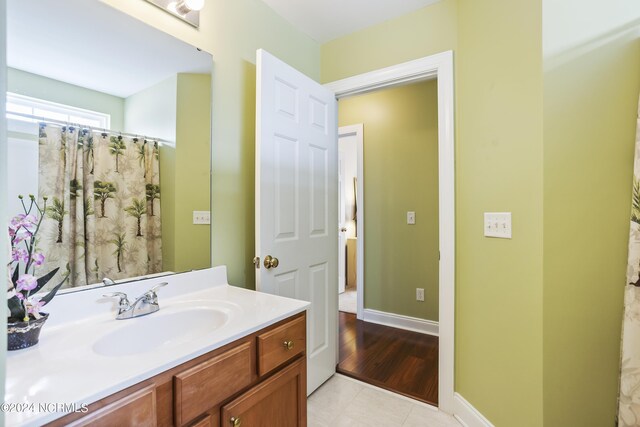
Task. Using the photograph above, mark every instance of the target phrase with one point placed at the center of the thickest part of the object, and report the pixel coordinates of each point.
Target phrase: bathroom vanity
(213, 355)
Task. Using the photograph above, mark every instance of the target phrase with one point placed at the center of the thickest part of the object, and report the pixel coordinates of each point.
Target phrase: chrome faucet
(146, 303)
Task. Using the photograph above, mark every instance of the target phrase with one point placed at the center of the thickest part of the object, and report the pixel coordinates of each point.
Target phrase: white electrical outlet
(497, 224)
(411, 218)
(201, 217)
(419, 294)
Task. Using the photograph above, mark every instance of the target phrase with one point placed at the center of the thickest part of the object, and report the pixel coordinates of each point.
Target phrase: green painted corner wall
(193, 171)
(400, 175)
(232, 31)
(36, 86)
(498, 167)
(591, 87)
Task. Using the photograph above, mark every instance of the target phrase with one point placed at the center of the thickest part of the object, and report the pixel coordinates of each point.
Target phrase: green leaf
(44, 280)
(15, 276)
(53, 291)
(15, 307)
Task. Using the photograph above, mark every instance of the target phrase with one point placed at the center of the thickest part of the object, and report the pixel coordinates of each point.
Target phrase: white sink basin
(160, 329)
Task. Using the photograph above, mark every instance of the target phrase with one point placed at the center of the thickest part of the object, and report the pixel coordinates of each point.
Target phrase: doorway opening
(350, 192)
(440, 68)
(397, 243)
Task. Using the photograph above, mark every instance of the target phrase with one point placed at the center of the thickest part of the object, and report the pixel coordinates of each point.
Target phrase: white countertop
(65, 368)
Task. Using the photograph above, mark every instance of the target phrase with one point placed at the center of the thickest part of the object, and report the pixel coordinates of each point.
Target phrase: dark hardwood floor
(402, 361)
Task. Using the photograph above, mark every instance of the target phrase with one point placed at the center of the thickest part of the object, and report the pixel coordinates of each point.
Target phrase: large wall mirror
(109, 128)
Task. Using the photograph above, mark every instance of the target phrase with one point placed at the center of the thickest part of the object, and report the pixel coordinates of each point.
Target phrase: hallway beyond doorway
(398, 360)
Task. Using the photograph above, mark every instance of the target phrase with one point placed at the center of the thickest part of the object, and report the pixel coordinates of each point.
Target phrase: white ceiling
(89, 44)
(326, 20)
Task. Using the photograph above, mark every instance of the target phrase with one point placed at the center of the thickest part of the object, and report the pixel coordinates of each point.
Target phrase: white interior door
(296, 202)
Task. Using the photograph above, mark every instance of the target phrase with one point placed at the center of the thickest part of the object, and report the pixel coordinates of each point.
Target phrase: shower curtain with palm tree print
(629, 396)
(103, 210)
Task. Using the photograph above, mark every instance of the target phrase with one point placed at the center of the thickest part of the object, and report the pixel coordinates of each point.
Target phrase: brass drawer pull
(288, 345)
(236, 421)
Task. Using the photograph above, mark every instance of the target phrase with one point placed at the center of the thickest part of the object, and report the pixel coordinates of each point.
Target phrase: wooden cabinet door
(278, 401)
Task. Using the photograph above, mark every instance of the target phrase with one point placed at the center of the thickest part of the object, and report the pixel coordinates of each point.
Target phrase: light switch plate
(201, 217)
(497, 224)
(411, 218)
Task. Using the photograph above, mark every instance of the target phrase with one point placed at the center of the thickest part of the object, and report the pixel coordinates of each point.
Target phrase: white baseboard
(467, 414)
(402, 322)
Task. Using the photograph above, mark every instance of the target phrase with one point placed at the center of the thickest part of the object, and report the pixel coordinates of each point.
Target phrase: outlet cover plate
(411, 218)
(201, 217)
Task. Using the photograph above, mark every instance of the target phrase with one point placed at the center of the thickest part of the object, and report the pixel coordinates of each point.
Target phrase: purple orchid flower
(16, 222)
(38, 259)
(34, 306)
(26, 282)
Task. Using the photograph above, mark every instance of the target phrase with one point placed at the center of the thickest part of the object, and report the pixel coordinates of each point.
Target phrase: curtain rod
(42, 119)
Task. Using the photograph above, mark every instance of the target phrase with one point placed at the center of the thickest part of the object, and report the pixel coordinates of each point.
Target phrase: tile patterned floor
(343, 401)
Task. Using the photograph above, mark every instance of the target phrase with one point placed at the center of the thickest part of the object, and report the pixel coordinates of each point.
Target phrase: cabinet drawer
(281, 344)
(203, 386)
(136, 409)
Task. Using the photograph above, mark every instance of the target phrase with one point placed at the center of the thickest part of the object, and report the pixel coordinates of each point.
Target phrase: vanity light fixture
(187, 10)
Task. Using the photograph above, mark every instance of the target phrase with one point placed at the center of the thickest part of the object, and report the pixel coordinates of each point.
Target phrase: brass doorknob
(271, 262)
(288, 345)
(236, 422)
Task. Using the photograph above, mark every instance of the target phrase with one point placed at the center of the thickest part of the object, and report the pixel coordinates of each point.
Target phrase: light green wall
(498, 80)
(499, 168)
(427, 31)
(591, 87)
(193, 169)
(232, 31)
(36, 86)
(400, 175)
(152, 111)
(178, 109)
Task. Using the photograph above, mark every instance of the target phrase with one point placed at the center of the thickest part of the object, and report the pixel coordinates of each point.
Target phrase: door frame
(438, 66)
(357, 130)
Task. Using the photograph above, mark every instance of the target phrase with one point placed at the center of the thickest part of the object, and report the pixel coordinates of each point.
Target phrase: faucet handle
(124, 299)
(156, 287)
(151, 295)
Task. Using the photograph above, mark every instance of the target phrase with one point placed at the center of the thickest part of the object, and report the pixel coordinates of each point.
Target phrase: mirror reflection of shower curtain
(629, 395)
(103, 207)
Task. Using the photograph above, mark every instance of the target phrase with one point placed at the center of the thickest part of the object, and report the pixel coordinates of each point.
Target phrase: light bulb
(194, 4)
(172, 7)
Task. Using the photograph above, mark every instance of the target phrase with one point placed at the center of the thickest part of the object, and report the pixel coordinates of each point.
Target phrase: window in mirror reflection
(25, 108)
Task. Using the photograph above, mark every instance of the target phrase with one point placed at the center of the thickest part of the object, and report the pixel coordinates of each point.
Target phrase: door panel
(296, 201)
